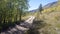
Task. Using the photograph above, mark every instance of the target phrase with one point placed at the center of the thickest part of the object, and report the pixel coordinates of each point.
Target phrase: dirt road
(22, 28)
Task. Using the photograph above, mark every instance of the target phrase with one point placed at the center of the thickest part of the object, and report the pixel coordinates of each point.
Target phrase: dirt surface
(20, 29)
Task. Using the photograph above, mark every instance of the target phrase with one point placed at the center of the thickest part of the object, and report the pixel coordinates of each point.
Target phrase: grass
(51, 17)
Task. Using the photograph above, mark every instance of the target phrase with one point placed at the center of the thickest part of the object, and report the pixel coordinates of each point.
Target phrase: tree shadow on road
(9, 25)
(37, 24)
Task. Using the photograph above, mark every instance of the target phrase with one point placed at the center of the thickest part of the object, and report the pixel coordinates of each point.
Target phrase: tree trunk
(20, 17)
(4, 20)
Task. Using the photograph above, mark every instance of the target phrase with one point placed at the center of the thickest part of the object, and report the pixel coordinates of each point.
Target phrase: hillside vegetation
(50, 16)
(48, 21)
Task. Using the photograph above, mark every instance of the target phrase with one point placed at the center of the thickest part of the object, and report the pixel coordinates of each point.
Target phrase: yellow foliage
(57, 8)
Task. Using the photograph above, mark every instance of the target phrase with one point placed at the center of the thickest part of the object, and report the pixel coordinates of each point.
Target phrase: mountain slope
(49, 5)
(51, 16)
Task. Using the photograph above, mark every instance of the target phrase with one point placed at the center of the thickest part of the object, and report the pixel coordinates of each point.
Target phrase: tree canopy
(11, 10)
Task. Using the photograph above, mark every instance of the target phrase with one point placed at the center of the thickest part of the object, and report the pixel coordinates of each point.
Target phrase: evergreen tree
(40, 8)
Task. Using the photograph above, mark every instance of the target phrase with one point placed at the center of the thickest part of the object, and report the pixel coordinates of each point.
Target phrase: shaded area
(7, 26)
(14, 29)
(37, 24)
(19, 27)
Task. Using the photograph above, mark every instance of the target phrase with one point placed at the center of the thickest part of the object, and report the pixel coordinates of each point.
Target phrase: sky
(34, 4)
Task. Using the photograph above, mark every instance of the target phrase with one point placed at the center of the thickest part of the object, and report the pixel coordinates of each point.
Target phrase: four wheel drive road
(20, 29)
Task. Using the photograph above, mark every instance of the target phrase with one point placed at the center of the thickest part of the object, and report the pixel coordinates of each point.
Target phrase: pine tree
(40, 8)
